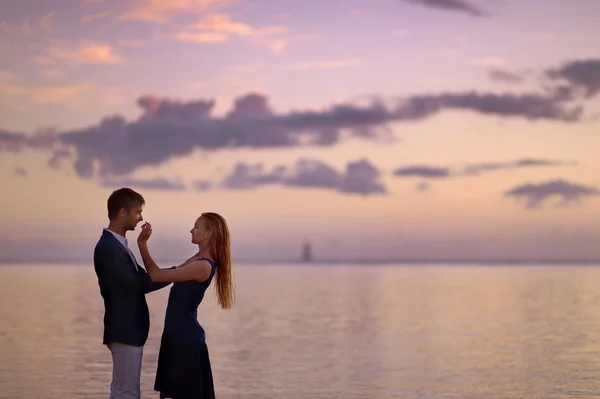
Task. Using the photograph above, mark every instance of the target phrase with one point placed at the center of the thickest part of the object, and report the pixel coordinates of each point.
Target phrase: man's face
(133, 217)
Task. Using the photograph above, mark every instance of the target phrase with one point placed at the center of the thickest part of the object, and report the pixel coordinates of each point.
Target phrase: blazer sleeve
(118, 271)
(148, 285)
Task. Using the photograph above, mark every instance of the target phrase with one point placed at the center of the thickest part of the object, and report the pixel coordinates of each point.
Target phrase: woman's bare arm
(197, 270)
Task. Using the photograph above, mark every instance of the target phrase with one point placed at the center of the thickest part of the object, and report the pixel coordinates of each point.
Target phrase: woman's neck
(205, 253)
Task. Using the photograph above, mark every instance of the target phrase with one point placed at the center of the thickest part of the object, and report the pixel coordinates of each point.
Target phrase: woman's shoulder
(210, 261)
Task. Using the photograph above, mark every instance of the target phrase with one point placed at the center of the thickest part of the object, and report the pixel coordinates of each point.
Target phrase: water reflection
(328, 332)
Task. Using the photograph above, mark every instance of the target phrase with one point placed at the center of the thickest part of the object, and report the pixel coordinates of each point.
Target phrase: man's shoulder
(103, 245)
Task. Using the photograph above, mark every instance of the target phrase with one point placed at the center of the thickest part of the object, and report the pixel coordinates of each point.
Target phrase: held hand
(145, 233)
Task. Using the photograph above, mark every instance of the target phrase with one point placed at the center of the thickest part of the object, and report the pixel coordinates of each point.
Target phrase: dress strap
(212, 263)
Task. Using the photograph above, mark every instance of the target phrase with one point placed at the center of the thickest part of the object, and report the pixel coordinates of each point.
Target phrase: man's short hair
(123, 198)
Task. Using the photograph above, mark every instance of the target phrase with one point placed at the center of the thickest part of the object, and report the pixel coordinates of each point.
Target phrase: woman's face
(199, 234)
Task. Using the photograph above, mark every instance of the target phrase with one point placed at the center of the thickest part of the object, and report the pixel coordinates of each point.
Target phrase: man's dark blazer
(123, 288)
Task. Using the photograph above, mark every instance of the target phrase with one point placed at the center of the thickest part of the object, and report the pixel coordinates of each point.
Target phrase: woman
(184, 369)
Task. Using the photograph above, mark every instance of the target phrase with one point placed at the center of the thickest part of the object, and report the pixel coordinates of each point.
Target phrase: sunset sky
(381, 129)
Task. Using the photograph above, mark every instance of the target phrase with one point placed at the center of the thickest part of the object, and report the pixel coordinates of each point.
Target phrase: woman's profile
(184, 369)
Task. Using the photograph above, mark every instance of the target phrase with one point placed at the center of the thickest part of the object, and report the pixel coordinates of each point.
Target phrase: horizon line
(506, 261)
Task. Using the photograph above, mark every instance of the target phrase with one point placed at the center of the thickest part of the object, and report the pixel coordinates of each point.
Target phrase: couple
(184, 369)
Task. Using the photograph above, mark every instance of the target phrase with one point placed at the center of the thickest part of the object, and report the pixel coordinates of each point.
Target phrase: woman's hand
(145, 234)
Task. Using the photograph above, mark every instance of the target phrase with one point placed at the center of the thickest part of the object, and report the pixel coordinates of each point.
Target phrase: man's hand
(145, 233)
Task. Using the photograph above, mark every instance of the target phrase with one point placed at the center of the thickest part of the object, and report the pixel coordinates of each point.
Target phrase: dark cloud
(582, 76)
(442, 172)
(14, 142)
(432, 172)
(11, 141)
(479, 168)
(534, 195)
(19, 171)
(145, 184)
(245, 176)
(59, 154)
(168, 129)
(202, 185)
(463, 6)
(120, 147)
(528, 106)
(504, 75)
(423, 186)
(360, 177)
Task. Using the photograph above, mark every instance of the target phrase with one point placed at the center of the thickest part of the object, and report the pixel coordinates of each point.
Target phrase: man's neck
(117, 229)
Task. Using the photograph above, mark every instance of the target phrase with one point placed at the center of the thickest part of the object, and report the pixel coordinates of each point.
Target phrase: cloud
(400, 32)
(220, 28)
(162, 11)
(359, 178)
(245, 177)
(535, 195)
(298, 66)
(12, 88)
(278, 45)
(130, 43)
(423, 186)
(22, 172)
(505, 75)
(476, 169)
(583, 76)
(489, 61)
(94, 17)
(358, 12)
(15, 142)
(51, 72)
(202, 37)
(336, 64)
(529, 106)
(144, 184)
(58, 94)
(169, 128)
(431, 172)
(203, 185)
(44, 24)
(86, 54)
(59, 154)
(443, 172)
(464, 6)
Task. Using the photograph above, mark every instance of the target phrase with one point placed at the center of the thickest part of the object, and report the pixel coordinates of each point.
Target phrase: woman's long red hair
(221, 253)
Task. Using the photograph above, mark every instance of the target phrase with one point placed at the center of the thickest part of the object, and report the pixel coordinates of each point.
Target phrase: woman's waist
(181, 331)
(181, 319)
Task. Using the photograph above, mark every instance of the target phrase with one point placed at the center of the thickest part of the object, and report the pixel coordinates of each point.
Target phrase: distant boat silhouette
(307, 252)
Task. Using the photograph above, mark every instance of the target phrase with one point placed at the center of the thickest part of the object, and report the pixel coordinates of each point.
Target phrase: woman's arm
(197, 270)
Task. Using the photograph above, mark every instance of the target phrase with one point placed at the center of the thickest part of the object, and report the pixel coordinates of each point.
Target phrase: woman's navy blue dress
(183, 370)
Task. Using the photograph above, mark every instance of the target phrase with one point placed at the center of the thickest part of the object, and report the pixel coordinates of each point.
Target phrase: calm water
(328, 332)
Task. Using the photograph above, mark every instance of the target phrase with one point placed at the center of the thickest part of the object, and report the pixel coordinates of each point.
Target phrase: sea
(335, 331)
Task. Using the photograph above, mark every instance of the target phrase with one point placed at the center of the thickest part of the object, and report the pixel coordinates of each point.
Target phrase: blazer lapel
(120, 246)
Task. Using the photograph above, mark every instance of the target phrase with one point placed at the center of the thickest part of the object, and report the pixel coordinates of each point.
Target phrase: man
(123, 285)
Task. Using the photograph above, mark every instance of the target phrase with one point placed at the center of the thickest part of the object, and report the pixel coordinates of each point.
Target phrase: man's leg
(127, 368)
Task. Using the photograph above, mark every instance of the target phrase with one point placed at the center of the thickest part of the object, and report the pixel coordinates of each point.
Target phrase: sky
(380, 129)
